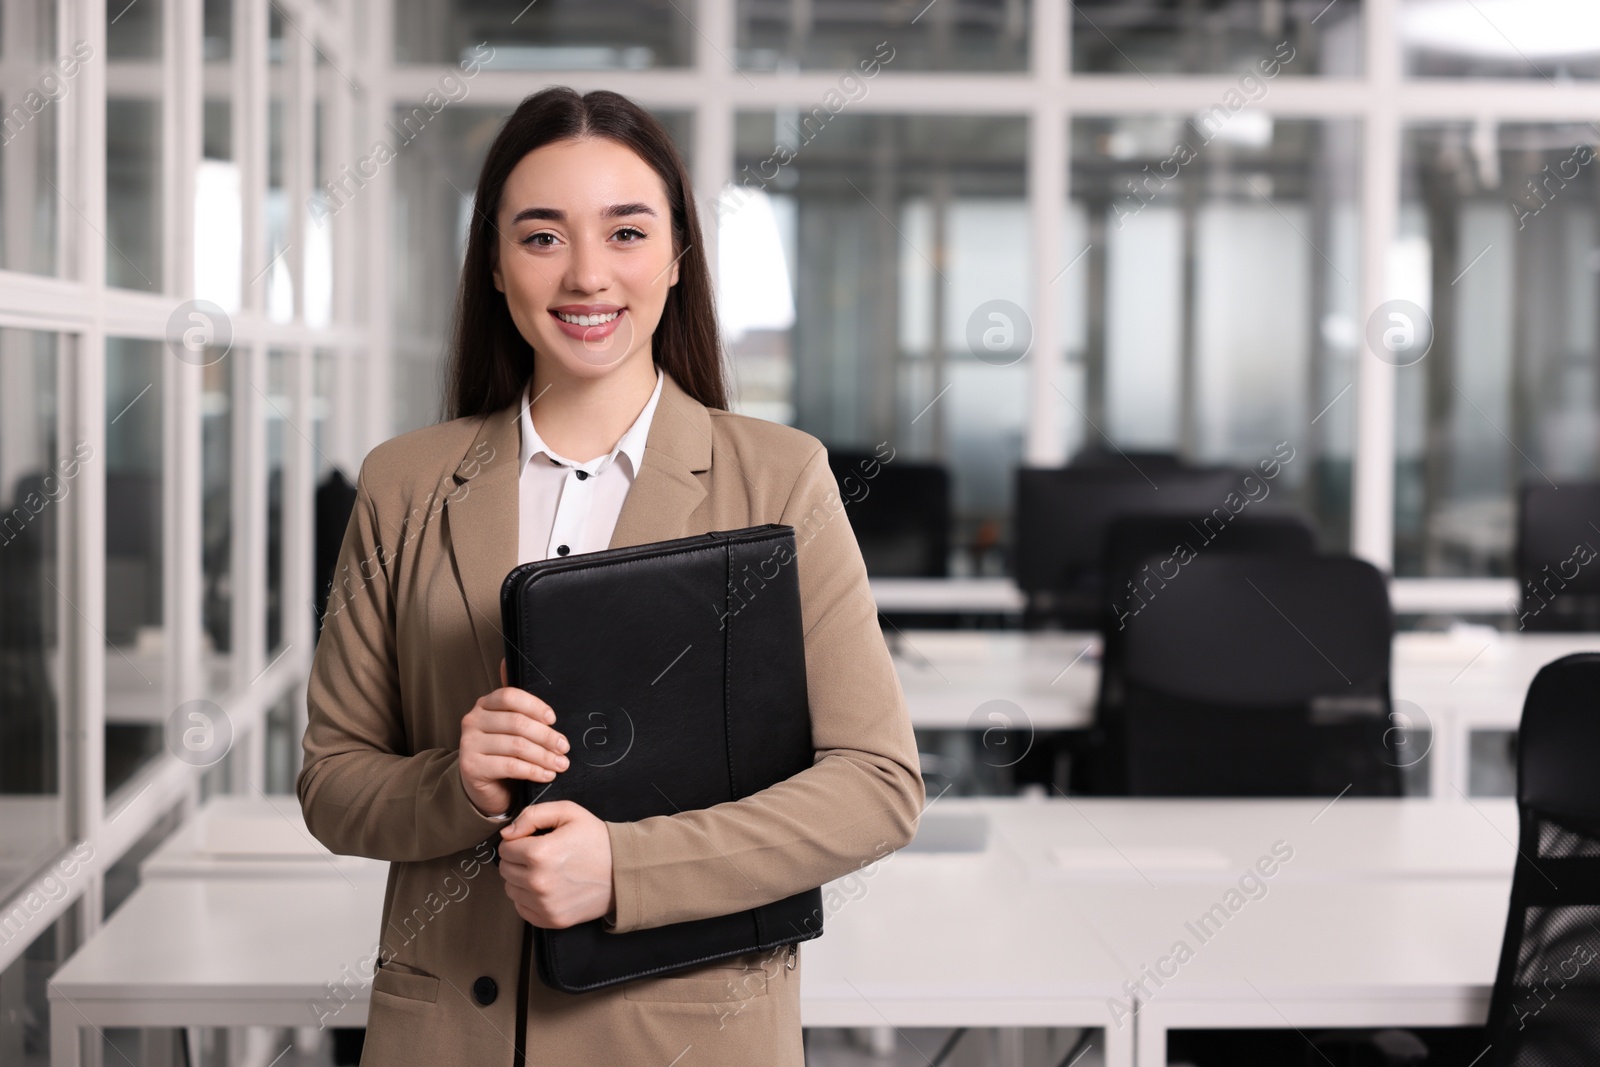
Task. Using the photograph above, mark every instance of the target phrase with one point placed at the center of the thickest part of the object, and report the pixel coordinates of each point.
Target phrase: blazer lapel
(482, 515)
(483, 512)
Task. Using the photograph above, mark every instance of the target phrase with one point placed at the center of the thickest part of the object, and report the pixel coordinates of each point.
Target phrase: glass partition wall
(1181, 222)
(164, 289)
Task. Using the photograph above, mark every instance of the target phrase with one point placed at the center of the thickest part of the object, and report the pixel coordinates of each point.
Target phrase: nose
(587, 271)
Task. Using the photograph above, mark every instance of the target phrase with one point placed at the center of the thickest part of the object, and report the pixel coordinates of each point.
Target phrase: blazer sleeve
(859, 800)
(363, 791)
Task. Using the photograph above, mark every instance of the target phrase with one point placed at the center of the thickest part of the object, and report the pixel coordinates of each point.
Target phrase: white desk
(252, 837)
(136, 690)
(1090, 840)
(959, 939)
(1458, 683)
(1048, 679)
(1470, 682)
(1389, 911)
(1307, 955)
(985, 595)
(218, 952)
(238, 951)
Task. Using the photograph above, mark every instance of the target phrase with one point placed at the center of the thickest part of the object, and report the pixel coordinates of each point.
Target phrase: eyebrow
(615, 211)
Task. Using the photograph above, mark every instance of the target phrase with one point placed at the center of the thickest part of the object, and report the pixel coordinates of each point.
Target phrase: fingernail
(565, 746)
(565, 763)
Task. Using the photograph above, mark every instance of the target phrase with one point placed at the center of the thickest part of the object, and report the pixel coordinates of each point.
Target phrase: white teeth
(587, 320)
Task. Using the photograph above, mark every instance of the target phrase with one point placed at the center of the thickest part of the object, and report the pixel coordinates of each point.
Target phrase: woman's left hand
(561, 878)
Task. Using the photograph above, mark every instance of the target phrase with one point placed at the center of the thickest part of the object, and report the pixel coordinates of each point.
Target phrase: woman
(585, 349)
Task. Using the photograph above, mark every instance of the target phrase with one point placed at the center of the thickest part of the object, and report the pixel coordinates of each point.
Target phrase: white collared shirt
(565, 506)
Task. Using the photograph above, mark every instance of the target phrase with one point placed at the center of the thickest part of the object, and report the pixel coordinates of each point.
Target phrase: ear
(494, 258)
(674, 279)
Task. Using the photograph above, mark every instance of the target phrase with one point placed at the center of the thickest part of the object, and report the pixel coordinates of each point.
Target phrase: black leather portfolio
(677, 672)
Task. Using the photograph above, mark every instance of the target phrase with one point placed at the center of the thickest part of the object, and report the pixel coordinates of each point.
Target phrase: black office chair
(1545, 1008)
(335, 500)
(29, 715)
(1558, 557)
(1063, 514)
(1133, 540)
(1100, 456)
(1139, 550)
(275, 543)
(899, 511)
(1261, 675)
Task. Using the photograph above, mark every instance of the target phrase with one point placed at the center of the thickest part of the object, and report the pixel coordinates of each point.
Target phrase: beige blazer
(412, 639)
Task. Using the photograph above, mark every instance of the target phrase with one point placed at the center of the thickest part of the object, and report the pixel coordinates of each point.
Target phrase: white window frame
(78, 305)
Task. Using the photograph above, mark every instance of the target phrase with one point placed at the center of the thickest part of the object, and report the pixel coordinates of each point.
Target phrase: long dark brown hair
(489, 360)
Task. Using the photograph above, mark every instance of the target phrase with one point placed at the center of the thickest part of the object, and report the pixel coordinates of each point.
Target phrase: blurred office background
(1008, 234)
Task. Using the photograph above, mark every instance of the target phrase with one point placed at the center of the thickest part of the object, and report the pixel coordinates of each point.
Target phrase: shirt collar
(631, 444)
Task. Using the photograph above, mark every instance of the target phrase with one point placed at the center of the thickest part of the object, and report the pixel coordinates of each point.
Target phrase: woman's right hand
(508, 734)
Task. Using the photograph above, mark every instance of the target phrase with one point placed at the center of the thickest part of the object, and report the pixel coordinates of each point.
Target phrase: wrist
(502, 817)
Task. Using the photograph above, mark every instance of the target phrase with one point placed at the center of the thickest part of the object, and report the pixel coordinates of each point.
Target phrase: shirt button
(484, 990)
(582, 475)
(562, 550)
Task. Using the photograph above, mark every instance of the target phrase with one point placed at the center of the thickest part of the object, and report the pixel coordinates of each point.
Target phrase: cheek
(525, 293)
(647, 282)
(521, 278)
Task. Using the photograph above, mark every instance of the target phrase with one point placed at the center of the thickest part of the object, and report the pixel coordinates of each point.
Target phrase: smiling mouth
(587, 320)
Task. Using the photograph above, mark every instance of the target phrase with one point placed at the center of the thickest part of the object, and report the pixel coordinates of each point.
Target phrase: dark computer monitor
(1063, 515)
(899, 511)
(1558, 557)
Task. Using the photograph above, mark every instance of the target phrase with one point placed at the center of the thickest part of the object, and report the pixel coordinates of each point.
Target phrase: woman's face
(584, 253)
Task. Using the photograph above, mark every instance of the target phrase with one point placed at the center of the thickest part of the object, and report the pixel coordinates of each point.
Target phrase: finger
(499, 768)
(514, 863)
(536, 817)
(522, 748)
(510, 698)
(512, 724)
(520, 701)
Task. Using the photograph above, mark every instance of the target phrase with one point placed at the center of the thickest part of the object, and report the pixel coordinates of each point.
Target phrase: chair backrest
(335, 501)
(1139, 549)
(1261, 675)
(1545, 1008)
(1133, 540)
(1100, 456)
(899, 512)
(1063, 515)
(1558, 556)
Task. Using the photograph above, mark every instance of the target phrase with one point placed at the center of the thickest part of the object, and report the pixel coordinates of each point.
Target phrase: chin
(587, 365)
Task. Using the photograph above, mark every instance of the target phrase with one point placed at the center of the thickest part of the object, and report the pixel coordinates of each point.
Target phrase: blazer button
(484, 990)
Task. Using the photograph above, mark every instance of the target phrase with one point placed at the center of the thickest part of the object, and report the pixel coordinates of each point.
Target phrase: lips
(594, 330)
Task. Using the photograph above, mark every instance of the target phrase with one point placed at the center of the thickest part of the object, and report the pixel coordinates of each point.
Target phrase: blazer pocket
(719, 983)
(399, 980)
